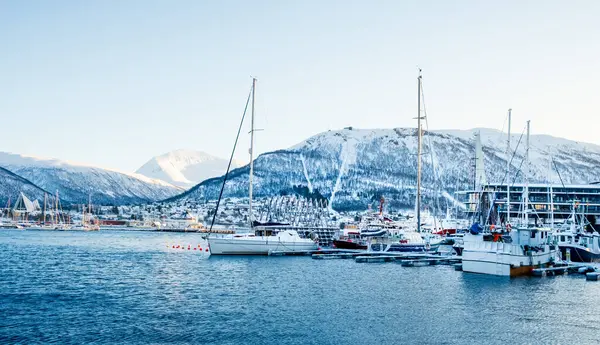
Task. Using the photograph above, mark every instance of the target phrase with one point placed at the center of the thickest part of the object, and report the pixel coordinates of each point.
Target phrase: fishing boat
(350, 239)
(259, 241)
(513, 253)
(575, 243)
(509, 251)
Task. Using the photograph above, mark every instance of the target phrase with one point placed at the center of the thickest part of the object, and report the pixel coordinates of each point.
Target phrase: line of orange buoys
(189, 247)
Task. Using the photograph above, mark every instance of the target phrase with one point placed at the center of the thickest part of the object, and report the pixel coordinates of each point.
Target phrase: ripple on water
(121, 287)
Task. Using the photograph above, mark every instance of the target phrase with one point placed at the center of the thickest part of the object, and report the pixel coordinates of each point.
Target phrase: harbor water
(112, 287)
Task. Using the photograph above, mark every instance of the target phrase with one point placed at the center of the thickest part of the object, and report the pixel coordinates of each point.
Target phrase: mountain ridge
(353, 167)
(76, 182)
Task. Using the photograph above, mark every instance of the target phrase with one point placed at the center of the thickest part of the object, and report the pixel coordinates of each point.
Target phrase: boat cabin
(531, 236)
(589, 241)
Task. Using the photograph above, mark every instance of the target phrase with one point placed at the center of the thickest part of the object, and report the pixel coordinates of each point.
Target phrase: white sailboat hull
(260, 245)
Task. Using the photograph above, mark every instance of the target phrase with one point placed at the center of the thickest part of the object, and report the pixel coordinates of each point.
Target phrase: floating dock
(324, 251)
(591, 272)
(592, 276)
(407, 259)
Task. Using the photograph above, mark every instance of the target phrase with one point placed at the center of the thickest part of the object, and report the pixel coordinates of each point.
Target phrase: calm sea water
(115, 287)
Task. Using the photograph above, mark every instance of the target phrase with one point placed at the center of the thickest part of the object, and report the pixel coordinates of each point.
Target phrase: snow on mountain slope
(12, 184)
(185, 168)
(76, 181)
(354, 167)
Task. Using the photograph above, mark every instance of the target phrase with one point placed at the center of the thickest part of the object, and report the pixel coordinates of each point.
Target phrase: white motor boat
(260, 243)
(406, 241)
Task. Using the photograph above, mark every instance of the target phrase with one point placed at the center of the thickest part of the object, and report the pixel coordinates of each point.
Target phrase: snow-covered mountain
(75, 182)
(354, 167)
(12, 184)
(185, 168)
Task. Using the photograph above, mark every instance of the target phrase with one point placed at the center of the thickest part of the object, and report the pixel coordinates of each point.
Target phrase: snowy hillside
(354, 167)
(11, 185)
(185, 168)
(76, 182)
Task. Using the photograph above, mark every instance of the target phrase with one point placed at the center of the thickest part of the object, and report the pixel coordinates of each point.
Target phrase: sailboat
(86, 219)
(57, 222)
(43, 225)
(258, 241)
(411, 238)
(509, 251)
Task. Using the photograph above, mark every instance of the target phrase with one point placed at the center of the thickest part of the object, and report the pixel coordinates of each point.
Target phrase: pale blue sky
(113, 83)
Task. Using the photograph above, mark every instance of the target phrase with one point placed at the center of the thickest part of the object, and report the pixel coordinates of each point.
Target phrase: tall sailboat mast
(250, 217)
(419, 148)
(526, 192)
(45, 201)
(56, 208)
(508, 170)
(89, 210)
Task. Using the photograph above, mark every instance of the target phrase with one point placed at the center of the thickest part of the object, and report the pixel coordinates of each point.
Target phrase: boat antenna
(231, 158)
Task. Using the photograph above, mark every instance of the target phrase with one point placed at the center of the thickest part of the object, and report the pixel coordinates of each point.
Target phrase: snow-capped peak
(184, 168)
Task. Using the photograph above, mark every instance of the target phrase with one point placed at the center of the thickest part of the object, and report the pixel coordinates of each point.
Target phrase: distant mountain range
(185, 168)
(355, 167)
(351, 168)
(75, 182)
